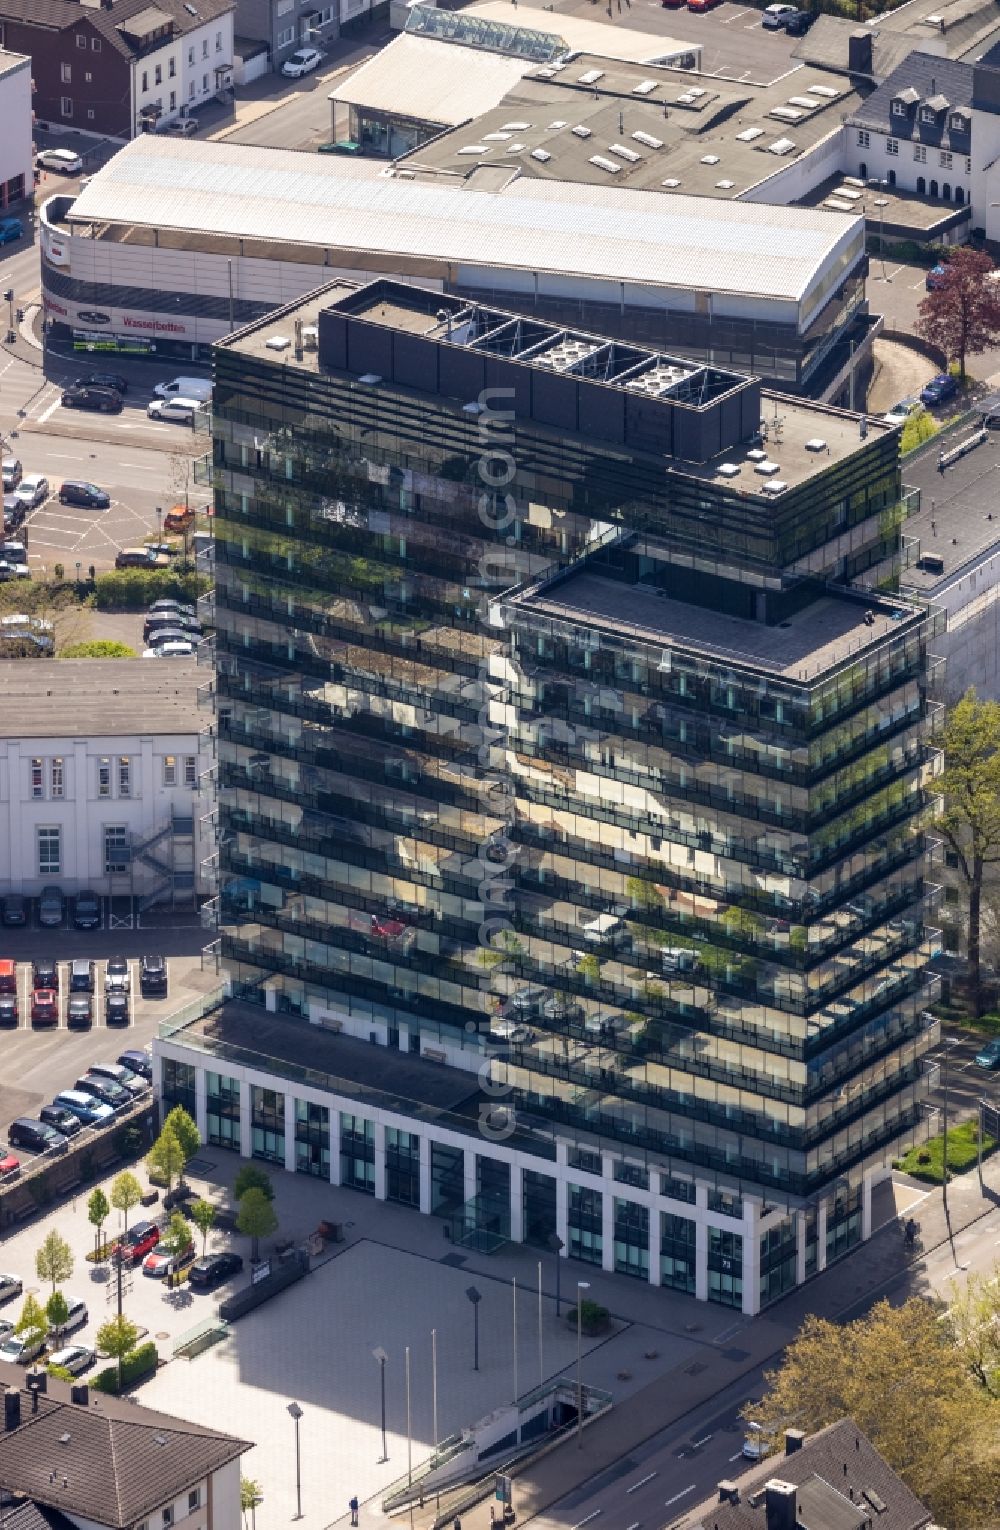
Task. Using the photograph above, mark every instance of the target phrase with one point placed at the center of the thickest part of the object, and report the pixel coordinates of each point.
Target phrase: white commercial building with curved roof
(178, 244)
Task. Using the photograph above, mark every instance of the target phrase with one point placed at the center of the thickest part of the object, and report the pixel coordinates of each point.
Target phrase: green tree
(54, 1260)
(97, 1214)
(256, 1218)
(250, 1497)
(98, 648)
(185, 1130)
(165, 1158)
(117, 1338)
(176, 1236)
(898, 1375)
(919, 427)
(973, 1322)
(126, 1192)
(970, 785)
(252, 1177)
(589, 968)
(32, 1319)
(203, 1217)
(57, 1311)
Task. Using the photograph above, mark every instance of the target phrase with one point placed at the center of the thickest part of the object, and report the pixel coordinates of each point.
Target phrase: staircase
(168, 852)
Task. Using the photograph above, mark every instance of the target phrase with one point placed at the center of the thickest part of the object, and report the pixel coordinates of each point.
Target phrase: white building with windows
(16, 157)
(99, 777)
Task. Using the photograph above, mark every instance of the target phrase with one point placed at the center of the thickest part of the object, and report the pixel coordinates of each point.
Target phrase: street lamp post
(409, 1430)
(881, 203)
(581, 1286)
(557, 1245)
(295, 1413)
(475, 1297)
(381, 1356)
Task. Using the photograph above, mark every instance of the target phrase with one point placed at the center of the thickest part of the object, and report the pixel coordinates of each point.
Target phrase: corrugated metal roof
(637, 237)
(431, 81)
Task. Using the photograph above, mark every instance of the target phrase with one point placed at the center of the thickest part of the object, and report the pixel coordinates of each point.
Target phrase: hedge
(133, 589)
(98, 648)
(141, 1362)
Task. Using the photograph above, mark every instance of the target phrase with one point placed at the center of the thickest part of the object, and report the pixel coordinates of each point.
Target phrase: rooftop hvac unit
(767, 469)
(775, 486)
(816, 444)
(728, 469)
(277, 343)
(310, 337)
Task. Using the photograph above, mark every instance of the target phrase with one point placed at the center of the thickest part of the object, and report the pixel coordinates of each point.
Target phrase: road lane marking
(737, 1456)
(581, 1522)
(641, 1483)
(698, 1443)
(46, 413)
(682, 1494)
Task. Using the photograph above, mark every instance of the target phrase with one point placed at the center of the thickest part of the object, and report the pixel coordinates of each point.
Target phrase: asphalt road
(897, 290)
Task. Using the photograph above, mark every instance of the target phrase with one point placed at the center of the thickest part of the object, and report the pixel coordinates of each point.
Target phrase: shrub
(60, 1373)
(920, 427)
(141, 1362)
(99, 648)
(134, 589)
(593, 1317)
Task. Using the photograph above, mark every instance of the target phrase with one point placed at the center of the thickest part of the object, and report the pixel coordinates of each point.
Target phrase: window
(190, 770)
(285, 37)
(56, 776)
(90, 113)
(37, 779)
(95, 45)
(927, 114)
(158, 74)
(88, 78)
(864, 139)
(49, 852)
(218, 42)
(945, 159)
(898, 108)
(66, 73)
(191, 91)
(191, 54)
(145, 81)
(892, 146)
(172, 67)
(124, 775)
(173, 100)
(204, 47)
(194, 1500)
(204, 82)
(115, 848)
(968, 167)
(66, 106)
(920, 154)
(104, 777)
(81, 40)
(167, 1515)
(170, 770)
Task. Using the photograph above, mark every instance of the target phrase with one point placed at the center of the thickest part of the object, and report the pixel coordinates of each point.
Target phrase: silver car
(75, 1358)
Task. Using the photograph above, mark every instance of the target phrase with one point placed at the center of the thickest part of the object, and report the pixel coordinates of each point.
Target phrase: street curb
(105, 438)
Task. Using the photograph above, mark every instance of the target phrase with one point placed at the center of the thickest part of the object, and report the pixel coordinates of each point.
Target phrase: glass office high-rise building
(571, 785)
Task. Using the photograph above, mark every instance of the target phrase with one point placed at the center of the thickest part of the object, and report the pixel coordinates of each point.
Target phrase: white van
(77, 1317)
(198, 388)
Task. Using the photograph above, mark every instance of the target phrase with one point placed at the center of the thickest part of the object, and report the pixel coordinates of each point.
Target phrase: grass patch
(926, 1162)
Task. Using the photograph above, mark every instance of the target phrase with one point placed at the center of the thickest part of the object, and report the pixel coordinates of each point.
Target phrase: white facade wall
(16, 159)
(869, 148)
(145, 783)
(206, 61)
(217, 1506)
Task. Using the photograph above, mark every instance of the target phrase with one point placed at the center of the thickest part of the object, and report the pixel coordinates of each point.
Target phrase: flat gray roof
(954, 520)
(903, 209)
(49, 698)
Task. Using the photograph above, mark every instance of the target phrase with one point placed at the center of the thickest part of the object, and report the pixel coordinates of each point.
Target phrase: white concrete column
(654, 1241)
(751, 1255)
(425, 1175)
(800, 1248)
(516, 1203)
(404, 1038)
(201, 1102)
(246, 1130)
(866, 1207)
(562, 1214)
(379, 1161)
(701, 1243)
(821, 1236)
(334, 1145)
(469, 1165)
(289, 1133)
(158, 1078)
(607, 1225)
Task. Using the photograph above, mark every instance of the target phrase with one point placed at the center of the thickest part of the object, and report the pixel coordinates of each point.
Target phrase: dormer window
(959, 122)
(898, 108)
(927, 115)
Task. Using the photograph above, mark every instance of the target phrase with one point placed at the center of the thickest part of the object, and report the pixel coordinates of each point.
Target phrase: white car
(180, 127)
(900, 413)
(177, 411)
(175, 650)
(32, 490)
(63, 160)
(302, 62)
(774, 16)
(74, 1358)
(19, 1348)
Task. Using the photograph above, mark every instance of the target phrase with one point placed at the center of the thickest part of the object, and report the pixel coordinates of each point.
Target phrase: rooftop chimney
(79, 1393)
(729, 1492)
(779, 1504)
(11, 1408)
(859, 52)
(794, 1440)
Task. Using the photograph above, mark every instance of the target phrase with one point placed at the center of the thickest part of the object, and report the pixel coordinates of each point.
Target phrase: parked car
(153, 977)
(112, 380)
(33, 490)
(102, 400)
(82, 974)
(44, 973)
(935, 277)
(174, 411)
(702, 5)
(989, 1055)
(799, 24)
(35, 1136)
(9, 1014)
(176, 648)
(303, 61)
(12, 471)
(61, 1119)
(170, 621)
(116, 1008)
(45, 1007)
(63, 160)
(79, 1011)
(180, 127)
(104, 1089)
(86, 1107)
(346, 146)
(940, 388)
(774, 16)
(10, 230)
(75, 1358)
(117, 975)
(166, 603)
(115, 1073)
(185, 387)
(159, 1263)
(86, 910)
(135, 1244)
(179, 519)
(22, 1348)
(51, 907)
(76, 1317)
(900, 413)
(138, 1063)
(9, 1166)
(10, 1287)
(141, 557)
(8, 976)
(208, 1272)
(14, 910)
(77, 492)
(162, 635)
(13, 514)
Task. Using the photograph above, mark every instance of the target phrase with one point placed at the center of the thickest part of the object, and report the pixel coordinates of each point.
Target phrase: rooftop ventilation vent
(757, 455)
(696, 91)
(724, 185)
(310, 337)
(557, 124)
(710, 159)
(624, 152)
(515, 127)
(781, 146)
(277, 343)
(645, 87)
(749, 134)
(517, 148)
(824, 90)
(687, 99)
(816, 444)
(728, 469)
(849, 193)
(581, 131)
(592, 76)
(541, 154)
(648, 140)
(544, 74)
(605, 164)
(786, 113)
(806, 102)
(775, 486)
(766, 469)
(474, 148)
(496, 137)
(670, 183)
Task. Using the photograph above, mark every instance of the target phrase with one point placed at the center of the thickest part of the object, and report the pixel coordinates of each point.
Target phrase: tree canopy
(166, 1157)
(126, 1192)
(54, 1260)
(251, 1176)
(256, 1217)
(962, 314)
(970, 785)
(203, 1216)
(185, 1130)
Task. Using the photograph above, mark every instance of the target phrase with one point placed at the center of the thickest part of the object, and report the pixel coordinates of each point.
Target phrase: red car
(45, 1007)
(139, 1241)
(9, 1165)
(702, 5)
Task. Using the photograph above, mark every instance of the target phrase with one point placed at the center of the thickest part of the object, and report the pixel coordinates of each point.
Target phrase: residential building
(118, 68)
(112, 1465)
(573, 791)
(284, 25)
(16, 152)
(834, 1480)
(99, 777)
(182, 242)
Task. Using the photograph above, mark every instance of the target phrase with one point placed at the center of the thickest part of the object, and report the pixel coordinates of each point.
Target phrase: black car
(13, 910)
(62, 1119)
(167, 603)
(138, 1063)
(36, 1136)
(13, 513)
(213, 1268)
(81, 976)
(76, 492)
(86, 910)
(116, 1013)
(80, 1012)
(105, 400)
(110, 380)
(798, 24)
(153, 977)
(104, 1089)
(8, 1011)
(44, 973)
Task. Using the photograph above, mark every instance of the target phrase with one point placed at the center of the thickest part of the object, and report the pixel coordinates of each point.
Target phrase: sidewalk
(841, 1292)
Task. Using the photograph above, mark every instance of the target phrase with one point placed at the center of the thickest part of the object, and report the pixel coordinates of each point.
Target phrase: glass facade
(725, 1268)
(312, 1139)
(402, 1167)
(706, 865)
(631, 1239)
(223, 1105)
(678, 1239)
(267, 1125)
(178, 1086)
